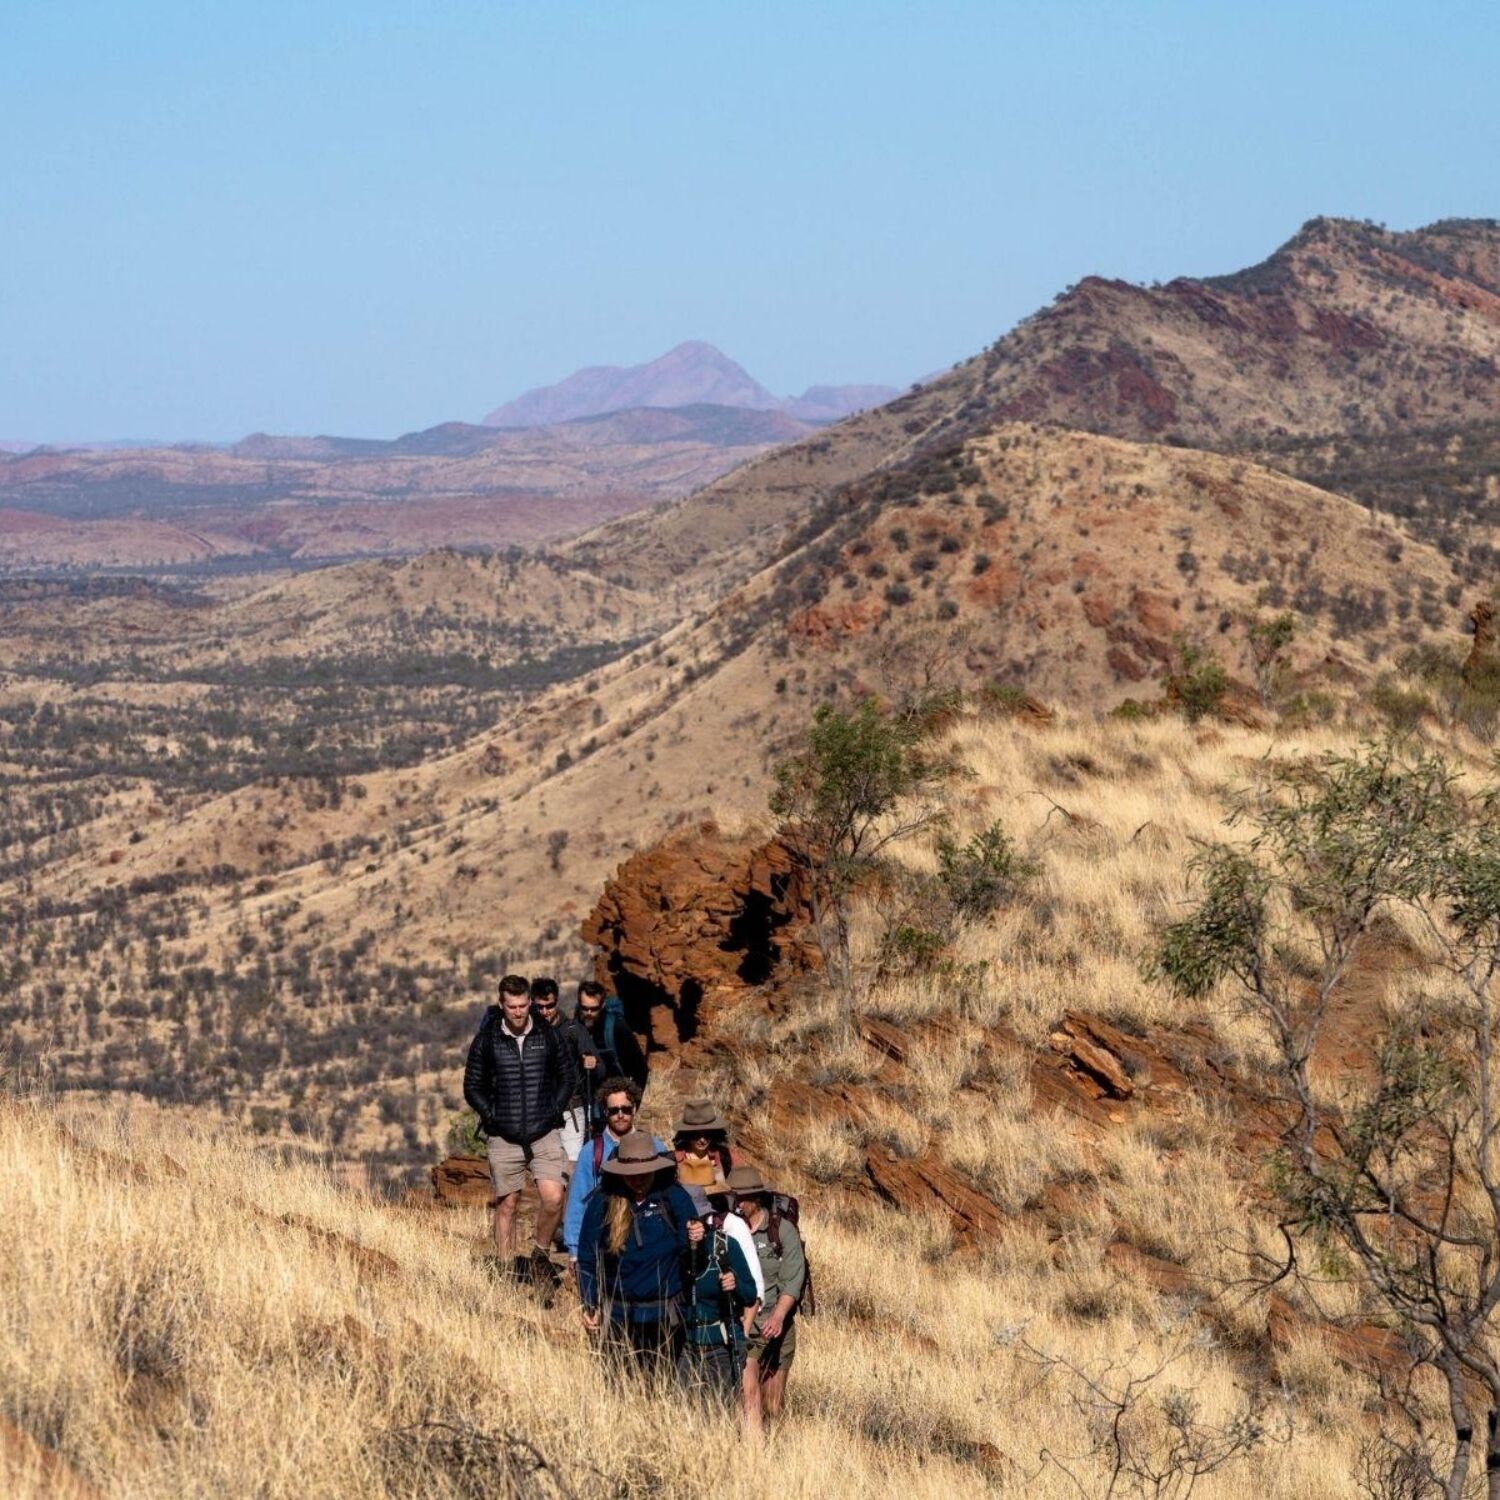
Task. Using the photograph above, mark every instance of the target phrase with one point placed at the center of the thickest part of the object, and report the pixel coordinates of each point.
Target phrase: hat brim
(715, 1126)
(617, 1168)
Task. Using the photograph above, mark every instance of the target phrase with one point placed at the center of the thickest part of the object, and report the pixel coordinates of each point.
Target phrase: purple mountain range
(692, 374)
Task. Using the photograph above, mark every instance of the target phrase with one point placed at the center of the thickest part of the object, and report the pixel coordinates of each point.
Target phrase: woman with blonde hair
(631, 1255)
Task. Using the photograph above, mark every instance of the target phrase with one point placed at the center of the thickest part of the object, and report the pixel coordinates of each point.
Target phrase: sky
(365, 218)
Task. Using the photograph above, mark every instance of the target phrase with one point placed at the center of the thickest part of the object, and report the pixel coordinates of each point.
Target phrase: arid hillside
(264, 918)
(1348, 332)
(1346, 328)
(1033, 1181)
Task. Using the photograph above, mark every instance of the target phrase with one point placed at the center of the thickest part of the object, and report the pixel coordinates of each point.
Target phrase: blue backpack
(614, 1018)
(646, 1276)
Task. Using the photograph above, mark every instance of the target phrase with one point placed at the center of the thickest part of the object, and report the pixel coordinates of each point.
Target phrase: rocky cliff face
(693, 922)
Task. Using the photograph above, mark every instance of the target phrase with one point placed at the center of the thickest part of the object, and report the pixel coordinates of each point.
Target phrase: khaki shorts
(772, 1355)
(510, 1163)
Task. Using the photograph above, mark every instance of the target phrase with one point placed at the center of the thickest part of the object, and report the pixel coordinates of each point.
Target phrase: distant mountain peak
(692, 373)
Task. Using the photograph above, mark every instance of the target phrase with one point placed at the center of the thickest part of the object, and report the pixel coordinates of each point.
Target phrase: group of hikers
(685, 1260)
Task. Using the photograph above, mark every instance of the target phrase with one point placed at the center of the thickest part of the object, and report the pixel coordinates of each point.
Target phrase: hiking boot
(521, 1269)
(543, 1272)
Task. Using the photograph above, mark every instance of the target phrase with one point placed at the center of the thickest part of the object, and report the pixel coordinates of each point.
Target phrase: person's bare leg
(505, 1220)
(773, 1394)
(548, 1213)
(750, 1395)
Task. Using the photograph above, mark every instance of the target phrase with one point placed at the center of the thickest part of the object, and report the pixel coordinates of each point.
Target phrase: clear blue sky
(364, 218)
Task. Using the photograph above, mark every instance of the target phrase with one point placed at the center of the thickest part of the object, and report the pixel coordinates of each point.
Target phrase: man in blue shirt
(619, 1100)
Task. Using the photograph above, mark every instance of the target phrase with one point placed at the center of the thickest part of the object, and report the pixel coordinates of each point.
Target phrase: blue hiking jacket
(644, 1282)
(584, 1184)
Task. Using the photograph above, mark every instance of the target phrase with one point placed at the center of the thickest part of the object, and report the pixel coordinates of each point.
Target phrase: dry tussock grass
(185, 1314)
(210, 1325)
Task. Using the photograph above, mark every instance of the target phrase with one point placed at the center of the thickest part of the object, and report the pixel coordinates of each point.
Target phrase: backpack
(641, 1275)
(614, 1018)
(785, 1206)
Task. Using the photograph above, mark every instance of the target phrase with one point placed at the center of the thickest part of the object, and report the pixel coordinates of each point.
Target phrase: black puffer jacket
(518, 1086)
(578, 1044)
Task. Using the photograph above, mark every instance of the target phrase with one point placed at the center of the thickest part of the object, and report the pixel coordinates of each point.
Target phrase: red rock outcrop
(1482, 652)
(462, 1180)
(697, 917)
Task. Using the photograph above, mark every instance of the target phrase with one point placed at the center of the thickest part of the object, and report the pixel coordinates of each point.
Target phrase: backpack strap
(773, 1227)
(598, 1151)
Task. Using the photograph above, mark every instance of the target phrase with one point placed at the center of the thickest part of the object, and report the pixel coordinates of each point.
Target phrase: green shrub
(1198, 682)
(982, 874)
(1402, 707)
(914, 950)
(1004, 697)
(464, 1138)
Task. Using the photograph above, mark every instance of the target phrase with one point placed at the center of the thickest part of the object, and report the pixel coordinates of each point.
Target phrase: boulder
(462, 1180)
(701, 915)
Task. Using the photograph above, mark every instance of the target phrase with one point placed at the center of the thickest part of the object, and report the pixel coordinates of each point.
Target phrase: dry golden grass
(186, 1315)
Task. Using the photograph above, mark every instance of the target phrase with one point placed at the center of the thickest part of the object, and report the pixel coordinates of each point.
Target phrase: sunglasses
(620, 1109)
(545, 1004)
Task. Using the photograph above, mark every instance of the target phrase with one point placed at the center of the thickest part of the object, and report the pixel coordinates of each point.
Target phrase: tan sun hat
(746, 1182)
(636, 1156)
(699, 1117)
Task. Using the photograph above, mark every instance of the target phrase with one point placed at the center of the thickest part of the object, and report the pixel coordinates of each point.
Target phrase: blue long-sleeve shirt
(585, 1180)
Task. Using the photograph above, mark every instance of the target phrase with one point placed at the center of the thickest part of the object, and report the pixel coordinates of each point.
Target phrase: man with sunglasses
(619, 1099)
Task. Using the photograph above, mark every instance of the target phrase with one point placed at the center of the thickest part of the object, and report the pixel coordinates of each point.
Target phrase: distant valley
(602, 444)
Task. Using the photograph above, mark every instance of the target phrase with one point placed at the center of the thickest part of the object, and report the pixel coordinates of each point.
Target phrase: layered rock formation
(695, 919)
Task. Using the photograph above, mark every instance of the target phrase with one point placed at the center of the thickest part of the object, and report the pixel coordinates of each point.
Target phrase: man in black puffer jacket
(518, 1080)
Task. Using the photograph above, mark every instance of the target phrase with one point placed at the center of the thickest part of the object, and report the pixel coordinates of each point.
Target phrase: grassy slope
(178, 1301)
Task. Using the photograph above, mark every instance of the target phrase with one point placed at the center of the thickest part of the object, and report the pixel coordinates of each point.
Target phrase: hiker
(631, 1253)
(581, 1061)
(614, 1041)
(704, 1160)
(773, 1333)
(700, 1140)
(722, 1216)
(719, 1304)
(619, 1103)
(516, 1080)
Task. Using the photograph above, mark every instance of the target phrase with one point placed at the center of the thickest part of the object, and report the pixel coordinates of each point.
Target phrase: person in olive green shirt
(773, 1334)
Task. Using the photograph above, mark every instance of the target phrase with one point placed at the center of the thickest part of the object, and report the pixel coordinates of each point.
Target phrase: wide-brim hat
(700, 1117)
(746, 1182)
(637, 1156)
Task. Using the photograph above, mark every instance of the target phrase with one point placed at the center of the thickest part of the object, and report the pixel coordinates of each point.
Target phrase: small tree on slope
(1399, 1181)
(854, 789)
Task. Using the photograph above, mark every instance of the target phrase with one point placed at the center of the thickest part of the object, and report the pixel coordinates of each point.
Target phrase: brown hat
(637, 1156)
(699, 1117)
(746, 1182)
